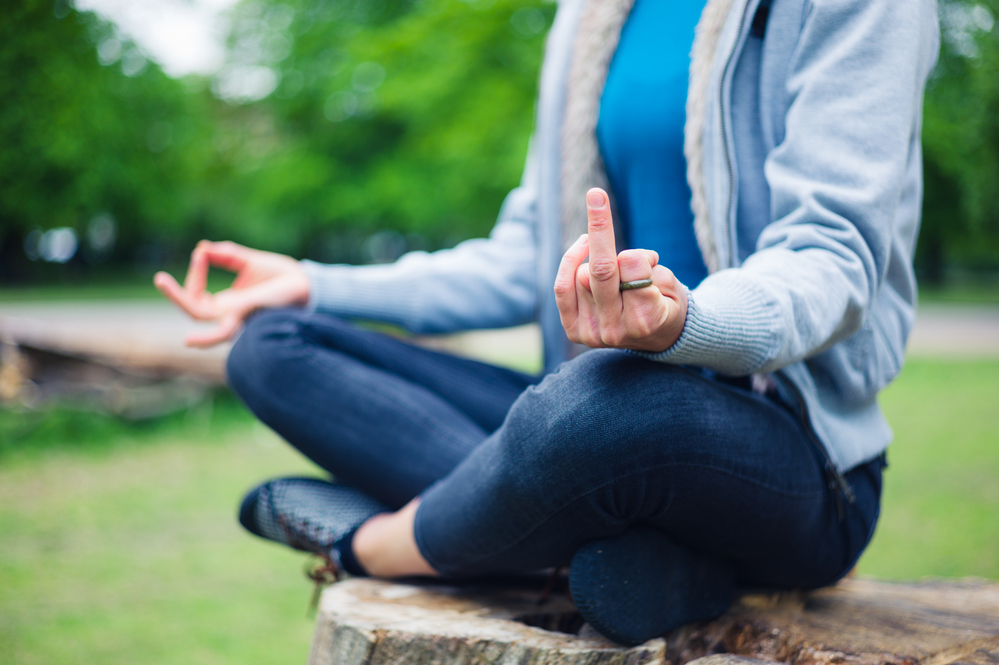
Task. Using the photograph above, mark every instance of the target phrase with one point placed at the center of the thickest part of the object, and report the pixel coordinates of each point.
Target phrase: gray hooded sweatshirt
(804, 162)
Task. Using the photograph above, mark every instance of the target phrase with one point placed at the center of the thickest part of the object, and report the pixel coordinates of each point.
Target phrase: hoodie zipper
(836, 481)
(724, 138)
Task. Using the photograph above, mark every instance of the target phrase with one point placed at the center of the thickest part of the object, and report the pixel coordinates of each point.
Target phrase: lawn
(118, 542)
(129, 551)
(941, 499)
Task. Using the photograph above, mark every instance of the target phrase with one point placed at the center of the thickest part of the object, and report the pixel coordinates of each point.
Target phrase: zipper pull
(840, 513)
(844, 486)
(841, 488)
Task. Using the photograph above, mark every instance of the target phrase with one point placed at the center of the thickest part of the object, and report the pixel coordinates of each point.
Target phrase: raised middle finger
(604, 277)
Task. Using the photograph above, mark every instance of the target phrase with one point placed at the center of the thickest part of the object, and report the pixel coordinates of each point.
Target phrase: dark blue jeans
(517, 472)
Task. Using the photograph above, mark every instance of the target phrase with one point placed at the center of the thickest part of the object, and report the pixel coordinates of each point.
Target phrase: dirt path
(157, 329)
(955, 331)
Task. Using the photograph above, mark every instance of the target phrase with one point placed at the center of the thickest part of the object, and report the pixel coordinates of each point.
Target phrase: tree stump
(858, 622)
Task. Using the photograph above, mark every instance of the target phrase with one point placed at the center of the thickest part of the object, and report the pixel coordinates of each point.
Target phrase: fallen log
(129, 357)
(859, 622)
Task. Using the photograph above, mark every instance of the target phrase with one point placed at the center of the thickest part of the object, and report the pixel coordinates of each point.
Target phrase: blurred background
(341, 131)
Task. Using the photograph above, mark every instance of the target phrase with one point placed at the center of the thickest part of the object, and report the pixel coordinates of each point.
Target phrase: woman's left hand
(594, 310)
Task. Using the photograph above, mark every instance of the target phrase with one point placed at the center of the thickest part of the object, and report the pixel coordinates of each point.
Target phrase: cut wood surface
(860, 622)
(364, 622)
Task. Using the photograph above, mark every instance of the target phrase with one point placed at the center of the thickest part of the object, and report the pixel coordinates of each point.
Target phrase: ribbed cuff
(729, 328)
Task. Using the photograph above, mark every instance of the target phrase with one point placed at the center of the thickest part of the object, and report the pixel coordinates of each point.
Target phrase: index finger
(604, 277)
(197, 272)
(195, 307)
(565, 282)
(227, 255)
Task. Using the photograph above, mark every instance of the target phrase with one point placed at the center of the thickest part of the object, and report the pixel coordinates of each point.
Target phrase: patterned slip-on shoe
(640, 585)
(307, 514)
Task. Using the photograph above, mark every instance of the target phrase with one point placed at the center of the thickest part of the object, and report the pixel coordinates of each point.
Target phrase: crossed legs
(513, 476)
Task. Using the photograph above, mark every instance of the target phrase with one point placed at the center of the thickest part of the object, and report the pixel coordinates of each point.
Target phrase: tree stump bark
(369, 622)
(858, 622)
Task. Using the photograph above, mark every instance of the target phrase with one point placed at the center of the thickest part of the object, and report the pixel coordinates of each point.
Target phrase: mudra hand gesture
(263, 279)
(595, 311)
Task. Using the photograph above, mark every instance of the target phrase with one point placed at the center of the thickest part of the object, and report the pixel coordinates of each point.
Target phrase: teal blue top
(640, 132)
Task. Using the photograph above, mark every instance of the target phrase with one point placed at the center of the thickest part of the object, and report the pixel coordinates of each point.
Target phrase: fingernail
(595, 198)
(582, 238)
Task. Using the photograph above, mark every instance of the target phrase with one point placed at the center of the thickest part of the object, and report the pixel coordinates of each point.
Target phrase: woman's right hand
(263, 279)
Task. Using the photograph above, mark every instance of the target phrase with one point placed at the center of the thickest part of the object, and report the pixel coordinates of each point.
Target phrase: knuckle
(603, 269)
(613, 336)
(563, 288)
(634, 263)
(600, 221)
(665, 279)
(590, 336)
(641, 329)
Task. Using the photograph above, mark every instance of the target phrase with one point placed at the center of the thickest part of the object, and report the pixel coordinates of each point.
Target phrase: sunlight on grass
(133, 554)
(940, 511)
(119, 543)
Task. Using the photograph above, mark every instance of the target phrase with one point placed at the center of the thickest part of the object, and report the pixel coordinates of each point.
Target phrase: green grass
(31, 435)
(128, 552)
(119, 544)
(983, 293)
(940, 512)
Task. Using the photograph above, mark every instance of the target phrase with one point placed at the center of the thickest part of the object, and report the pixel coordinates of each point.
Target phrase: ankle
(368, 543)
(385, 546)
(345, 552)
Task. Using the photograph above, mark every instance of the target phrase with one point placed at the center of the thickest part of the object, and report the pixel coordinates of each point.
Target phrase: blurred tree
(339, 118)
(90, 130)
(352, 130)
(412, 116)
(961, 144)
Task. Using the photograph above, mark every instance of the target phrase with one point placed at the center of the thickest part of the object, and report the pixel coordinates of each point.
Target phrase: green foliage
(26, 434)
(418, 122)
(78, 139)
(411, 116)
(961, 143)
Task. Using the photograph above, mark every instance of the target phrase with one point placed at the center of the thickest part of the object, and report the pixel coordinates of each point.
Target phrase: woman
(726, 431)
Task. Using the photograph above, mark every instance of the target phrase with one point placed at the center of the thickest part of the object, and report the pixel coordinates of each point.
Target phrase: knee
(255, 357)
(593, 408)
(570, 415)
